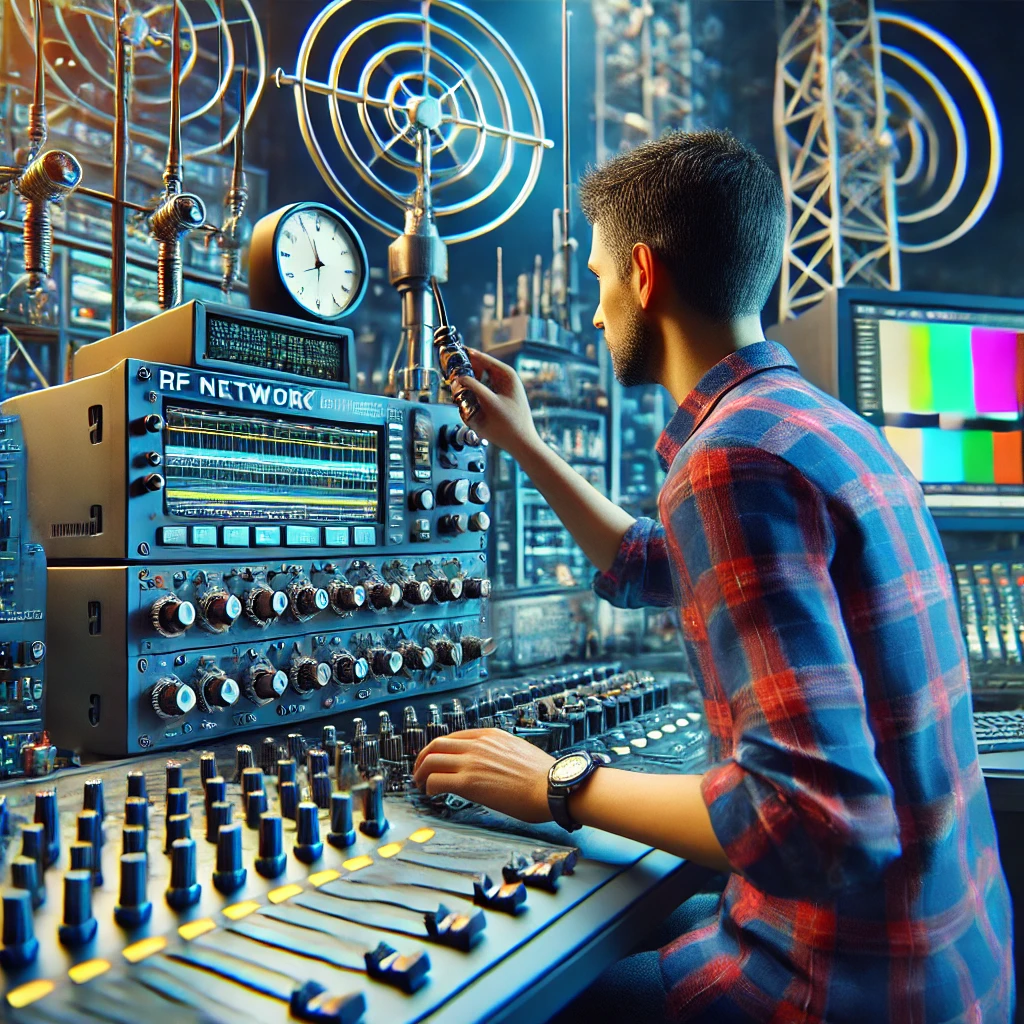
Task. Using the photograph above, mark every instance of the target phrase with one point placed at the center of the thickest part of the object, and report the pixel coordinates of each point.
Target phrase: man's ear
(644, 270)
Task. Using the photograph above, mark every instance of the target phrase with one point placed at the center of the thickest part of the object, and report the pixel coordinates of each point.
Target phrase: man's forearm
(597, 524)
(663, 811)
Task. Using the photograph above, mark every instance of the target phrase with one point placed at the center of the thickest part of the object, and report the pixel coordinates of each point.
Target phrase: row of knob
(450, 492)
(171, 616)
(171, 697)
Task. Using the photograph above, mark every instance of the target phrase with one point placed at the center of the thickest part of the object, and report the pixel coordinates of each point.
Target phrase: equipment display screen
(946, 387)
(219, 465)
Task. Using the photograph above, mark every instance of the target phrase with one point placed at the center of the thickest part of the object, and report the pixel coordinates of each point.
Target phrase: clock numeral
(317, 303)
(345, 290)
(317, 221)
(289, 235)
(302, 290)
(289, 274)
(344, 252)
(284, 255)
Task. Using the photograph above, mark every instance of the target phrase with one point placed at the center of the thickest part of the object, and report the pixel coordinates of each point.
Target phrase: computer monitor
(943, 377)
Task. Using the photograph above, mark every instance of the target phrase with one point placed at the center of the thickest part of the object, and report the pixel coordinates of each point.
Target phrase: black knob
(133, 839)
(217, 815)
(252, 780)
(416, 592)
(474, 587)
(421, 500)
(342, 834)
(447, 652)
(136, 784)
(255, 807)
(308, 846)
(286, 769)
(474, 648)
(78, 926)
(479, 522)
(216, 790)
(414, 739)
(384, 662)
(244, 758)
(455, 717)
(178, 826)
(152, 423)
(207, 767)
(309, 600)
(219, 691)
(385, 595)
(136, 811)
(271, 860)
(92, 797)
(153, 459)
(175, 775)
(133, 907)
(393, 750)
(177, 801)
(296, 747)
(288, 797)
(345, 596)
(184, 890)
(321, 790)
(374, 824)
(368, 754)
(308, 674)
(229, 875)
(20, 943)
(348, 668)
(268, 683)
(171, 698)
(268, 755)
(153, 482)
(90, 831)
(479, 493)
(453, 492)
(416, 657)
(454, 524)
(445, 589)
(328, 738)
(171, 616)
(316, 761)
(263, 605)
(25, 875)
(46, 815)
(220, 610)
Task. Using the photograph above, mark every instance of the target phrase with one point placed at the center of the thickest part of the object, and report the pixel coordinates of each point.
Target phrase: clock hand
(312, 244)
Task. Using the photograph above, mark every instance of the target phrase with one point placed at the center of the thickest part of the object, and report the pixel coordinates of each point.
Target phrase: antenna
(173, 169)
(566, 244)
(37, 111)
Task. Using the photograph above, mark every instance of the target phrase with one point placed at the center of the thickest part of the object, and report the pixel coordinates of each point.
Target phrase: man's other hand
(489, 767)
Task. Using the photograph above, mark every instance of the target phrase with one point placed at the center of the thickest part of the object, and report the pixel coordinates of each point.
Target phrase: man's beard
(631, 356)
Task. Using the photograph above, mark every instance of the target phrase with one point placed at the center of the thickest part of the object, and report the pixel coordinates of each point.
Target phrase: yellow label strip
(422, 835)
(355, 863)
(286, 892)
(193, 929)
(32, 992)
(87, 970)
(145, 947)
(389, 850)
(239, 910)
(323, 877)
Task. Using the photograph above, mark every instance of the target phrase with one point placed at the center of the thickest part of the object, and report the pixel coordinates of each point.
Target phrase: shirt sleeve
(802, 807)
(640, 576)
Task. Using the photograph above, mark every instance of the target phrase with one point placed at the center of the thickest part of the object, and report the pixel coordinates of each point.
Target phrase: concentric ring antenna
(205, 44)
(432, 100)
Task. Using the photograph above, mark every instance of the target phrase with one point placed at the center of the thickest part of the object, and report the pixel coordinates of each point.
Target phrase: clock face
(569, 768)
(320, 261)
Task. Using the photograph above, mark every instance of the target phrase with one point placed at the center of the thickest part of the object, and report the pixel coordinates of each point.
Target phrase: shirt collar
(722, 377)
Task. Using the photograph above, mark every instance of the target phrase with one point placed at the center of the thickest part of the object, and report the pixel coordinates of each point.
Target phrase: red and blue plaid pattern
(818, 615)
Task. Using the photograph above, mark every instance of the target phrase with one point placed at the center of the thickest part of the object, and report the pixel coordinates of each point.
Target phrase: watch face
(566, 770)
(320, 261)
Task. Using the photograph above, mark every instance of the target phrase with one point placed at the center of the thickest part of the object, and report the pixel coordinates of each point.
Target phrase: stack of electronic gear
(293, 880)
(24, 747)
(230, 548)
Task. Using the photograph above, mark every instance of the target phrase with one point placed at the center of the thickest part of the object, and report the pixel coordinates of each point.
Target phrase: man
(844, 798)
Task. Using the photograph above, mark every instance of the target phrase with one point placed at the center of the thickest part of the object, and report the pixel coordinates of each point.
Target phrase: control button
(267, 536)
(152, 423)
(459, 437)
(307, 600)
(445, 589)
(476, 465)
(421, 500)
(308, 674)
(267, 684)
(336, 536)
(385, 595)
(204, 536)
(263, 605)
(479, 522)
(171, 698)
(446, 652)
(345, 597)
(218, 690)
(453, 492)
(474, 648)
(474, 587)
(455, 524)
(220, 609)
(417, 657)
(348, 668)
(153, 482)
(416, 592)
(171, 616)
(234, 536)
(302, 536)
(364, 536)
(479, 493)
(172, 536)
(385, 662)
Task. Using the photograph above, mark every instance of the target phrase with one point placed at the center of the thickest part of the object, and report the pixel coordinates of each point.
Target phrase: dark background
(989, 32)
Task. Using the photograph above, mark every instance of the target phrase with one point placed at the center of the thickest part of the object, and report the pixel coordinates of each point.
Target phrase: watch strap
(558, 804)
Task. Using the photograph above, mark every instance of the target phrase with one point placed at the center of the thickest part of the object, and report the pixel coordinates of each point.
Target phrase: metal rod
(173, 171)
(499, 291)
(109, 197)
(37, 111)
(566, 184)
(123, 57)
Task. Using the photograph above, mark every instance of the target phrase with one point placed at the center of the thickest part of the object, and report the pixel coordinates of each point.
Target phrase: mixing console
(294, 880)
(992, 619)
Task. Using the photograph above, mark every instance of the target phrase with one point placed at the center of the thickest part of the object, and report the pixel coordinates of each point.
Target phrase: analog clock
(306, 260)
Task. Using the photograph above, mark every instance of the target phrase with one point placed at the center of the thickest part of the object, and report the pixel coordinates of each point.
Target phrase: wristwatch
(566, 776)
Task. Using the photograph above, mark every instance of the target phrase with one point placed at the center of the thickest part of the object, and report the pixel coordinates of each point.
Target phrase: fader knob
(20, 943)
(447, 652)
(252, 780)
(271, 860)
(171, 616)
(342, 834)
(79, 925)
(46, 815)
(453, 525)
(229, 874)
(171, 698)
(348, 668)
(133, 839)
(135, 783)
(385, 595)
(308, 674)
(416, 592)
(479, 522)
(474, 587)
(268, 684)
(263, 605)
(345, 596)
(308, 846)
(133, 907)
(453, 492)
(220, 610)
(445, 589)
(25, 875)
(184, 891)
(374, 824)
(255, 806)
(384, 662)
(307, 600)
(207, 767)
(479, 493)
(219, 691)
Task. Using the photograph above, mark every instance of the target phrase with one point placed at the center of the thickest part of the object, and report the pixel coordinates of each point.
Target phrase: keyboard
(999, 730)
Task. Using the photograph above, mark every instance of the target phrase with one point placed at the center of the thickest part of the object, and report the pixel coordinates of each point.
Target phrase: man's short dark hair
(710, 208)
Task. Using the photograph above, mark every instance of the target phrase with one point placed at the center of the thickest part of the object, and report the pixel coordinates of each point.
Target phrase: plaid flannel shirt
(820, 623)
